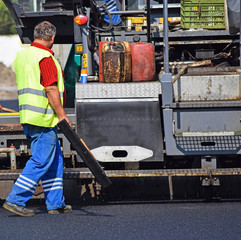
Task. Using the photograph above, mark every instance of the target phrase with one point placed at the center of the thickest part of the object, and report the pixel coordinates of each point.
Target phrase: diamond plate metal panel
(186, 88)
(118, 90)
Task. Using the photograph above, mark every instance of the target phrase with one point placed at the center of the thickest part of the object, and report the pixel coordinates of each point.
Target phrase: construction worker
(40, 93)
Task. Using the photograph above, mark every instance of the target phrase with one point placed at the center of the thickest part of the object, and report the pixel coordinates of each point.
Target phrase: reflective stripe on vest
(36, 109)
(35, 92)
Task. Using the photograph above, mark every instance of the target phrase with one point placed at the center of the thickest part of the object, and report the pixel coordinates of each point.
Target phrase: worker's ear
(52, 39)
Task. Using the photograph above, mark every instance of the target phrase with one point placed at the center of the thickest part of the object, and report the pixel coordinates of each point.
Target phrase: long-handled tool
(8, 110)
(195, 64)
(84, 152)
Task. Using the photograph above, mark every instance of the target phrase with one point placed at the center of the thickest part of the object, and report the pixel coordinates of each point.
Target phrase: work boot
(20, 210)
(66, 209)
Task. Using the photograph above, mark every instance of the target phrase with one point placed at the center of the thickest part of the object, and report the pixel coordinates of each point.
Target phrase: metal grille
(209, 143)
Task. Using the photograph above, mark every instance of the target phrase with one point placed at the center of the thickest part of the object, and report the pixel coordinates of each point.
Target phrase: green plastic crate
(203, 14)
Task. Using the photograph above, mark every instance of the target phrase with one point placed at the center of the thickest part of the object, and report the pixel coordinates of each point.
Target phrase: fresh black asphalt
(150, 221)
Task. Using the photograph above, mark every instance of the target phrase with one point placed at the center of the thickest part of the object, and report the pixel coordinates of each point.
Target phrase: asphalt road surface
(198, 220)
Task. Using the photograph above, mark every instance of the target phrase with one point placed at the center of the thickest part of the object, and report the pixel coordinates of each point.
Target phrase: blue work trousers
(46, 164)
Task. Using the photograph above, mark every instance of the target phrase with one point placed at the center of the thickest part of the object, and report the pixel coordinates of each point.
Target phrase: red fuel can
(143, 61)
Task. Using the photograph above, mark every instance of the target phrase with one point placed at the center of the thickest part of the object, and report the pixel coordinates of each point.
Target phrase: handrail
(240, 34)
(165, 18)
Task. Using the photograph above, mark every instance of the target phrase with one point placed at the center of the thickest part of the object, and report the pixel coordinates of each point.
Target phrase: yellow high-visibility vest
(34, 107)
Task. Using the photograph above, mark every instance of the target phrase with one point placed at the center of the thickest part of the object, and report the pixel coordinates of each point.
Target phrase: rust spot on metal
(17, 127)
(116, 62)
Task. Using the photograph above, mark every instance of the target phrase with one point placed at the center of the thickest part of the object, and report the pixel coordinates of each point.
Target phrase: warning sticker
(85, 60)
(79, 49)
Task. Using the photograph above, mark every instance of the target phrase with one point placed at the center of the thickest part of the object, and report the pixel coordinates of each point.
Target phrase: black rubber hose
(106, 29)
(83, 151)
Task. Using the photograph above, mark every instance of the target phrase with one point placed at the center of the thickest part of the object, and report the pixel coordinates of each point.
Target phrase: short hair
(44, 31)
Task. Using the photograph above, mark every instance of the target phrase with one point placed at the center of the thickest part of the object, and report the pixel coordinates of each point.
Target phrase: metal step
(207, 104)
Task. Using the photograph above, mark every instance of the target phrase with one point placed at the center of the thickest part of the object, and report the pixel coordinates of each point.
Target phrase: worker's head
(45, 31)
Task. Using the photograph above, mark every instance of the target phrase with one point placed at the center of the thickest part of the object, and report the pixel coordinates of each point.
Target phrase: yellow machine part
(137, 21)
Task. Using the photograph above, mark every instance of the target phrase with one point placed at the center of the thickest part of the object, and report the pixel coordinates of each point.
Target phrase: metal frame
(208, 177)
(196, 118)
(12, 152)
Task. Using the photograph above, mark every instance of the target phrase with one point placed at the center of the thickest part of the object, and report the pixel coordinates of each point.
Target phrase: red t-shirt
(48, 70)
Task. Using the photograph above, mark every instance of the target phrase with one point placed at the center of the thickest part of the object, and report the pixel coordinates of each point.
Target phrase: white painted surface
(9, 46)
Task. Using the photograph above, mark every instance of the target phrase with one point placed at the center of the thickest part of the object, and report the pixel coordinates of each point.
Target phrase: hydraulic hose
(94, 28)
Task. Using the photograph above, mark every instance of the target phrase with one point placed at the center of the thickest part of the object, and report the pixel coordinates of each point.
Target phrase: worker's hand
(1, 108)
(66, 118)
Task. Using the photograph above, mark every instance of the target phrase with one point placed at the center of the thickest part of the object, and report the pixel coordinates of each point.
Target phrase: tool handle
(8, 110)
(84, 152)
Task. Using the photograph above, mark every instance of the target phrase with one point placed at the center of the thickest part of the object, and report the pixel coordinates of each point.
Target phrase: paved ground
(150, 221)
